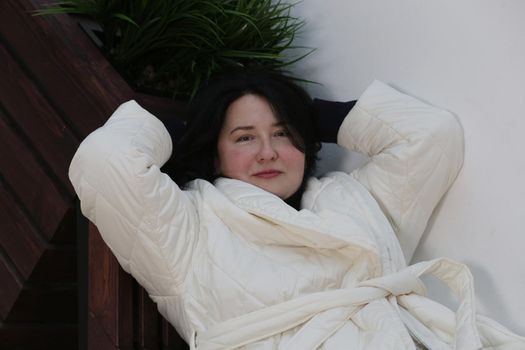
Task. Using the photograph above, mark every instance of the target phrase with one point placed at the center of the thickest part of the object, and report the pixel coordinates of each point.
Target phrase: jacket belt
(278, 318)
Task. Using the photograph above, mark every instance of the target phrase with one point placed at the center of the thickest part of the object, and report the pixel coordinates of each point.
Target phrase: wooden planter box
(55, 88)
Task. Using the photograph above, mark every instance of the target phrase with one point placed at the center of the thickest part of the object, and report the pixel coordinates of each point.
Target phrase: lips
(268, 174)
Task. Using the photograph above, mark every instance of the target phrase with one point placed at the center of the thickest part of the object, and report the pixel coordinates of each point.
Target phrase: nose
(267, 151)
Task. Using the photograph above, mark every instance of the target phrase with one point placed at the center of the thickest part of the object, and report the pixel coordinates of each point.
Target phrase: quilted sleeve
(144, 218)
(415, 150)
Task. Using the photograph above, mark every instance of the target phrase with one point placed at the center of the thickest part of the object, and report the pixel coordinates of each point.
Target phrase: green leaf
(126, 19)
(183, 42)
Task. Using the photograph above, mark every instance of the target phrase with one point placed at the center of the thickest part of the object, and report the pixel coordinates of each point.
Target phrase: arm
(145, 219)
(415, 150)
(331, 115)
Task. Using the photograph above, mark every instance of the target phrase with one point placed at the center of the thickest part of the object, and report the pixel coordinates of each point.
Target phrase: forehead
(250, 110)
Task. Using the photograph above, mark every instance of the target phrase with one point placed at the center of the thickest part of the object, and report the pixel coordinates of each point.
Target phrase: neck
(295, 199)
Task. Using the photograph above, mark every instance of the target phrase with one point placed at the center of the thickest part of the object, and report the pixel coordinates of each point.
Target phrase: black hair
(194, 155)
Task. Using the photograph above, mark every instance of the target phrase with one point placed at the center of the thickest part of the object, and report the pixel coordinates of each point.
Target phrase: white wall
(465, 56)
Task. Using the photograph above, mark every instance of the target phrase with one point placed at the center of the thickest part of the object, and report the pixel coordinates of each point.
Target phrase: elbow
(449, 137)
(456, 135)
(90, 155)
(88, 166)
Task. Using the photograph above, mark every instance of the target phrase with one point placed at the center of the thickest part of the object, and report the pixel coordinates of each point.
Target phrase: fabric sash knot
(278, 318)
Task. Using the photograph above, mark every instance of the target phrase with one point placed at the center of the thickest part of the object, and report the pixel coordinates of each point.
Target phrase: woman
(249, 250)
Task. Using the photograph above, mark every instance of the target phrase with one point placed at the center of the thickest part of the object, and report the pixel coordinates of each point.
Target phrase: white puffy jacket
(230, 265)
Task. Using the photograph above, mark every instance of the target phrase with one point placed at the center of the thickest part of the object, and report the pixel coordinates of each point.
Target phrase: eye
(244, 138)
(282, 133)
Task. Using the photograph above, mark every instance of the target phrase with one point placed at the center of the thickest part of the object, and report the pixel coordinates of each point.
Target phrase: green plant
(169, 47)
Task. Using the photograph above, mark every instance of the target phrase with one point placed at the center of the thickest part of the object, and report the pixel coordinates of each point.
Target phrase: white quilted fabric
(230, 265)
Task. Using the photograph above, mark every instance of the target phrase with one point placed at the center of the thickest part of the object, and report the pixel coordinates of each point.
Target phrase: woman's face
(255, 147)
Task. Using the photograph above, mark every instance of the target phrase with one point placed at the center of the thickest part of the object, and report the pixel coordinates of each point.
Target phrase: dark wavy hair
(194, 155)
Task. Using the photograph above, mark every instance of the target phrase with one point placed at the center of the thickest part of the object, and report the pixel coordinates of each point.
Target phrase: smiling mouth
(268, 174)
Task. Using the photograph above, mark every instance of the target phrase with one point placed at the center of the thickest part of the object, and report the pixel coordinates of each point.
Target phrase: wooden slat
(18, 238)
(76, 77)
(110, 298)
(51, 303)
(56, 265)
(55, 70)
(171, 339)
(84, 85)
(111, 316)
(97, 338)
(65, 234)
(36, 119)
(31, 184)
(147, 321)
(11, 286)
(38, 336)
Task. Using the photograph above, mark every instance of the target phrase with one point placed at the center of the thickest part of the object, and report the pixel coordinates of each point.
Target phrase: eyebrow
(241, 128)
(250, 127)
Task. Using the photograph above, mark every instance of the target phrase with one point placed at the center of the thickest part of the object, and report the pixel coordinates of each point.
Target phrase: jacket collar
(263, 218)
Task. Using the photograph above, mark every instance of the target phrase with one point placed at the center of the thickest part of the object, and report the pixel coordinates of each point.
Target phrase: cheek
(294, 158)
(233, 162)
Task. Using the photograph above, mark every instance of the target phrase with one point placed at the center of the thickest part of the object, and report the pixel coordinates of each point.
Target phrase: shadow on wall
(335, 158)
